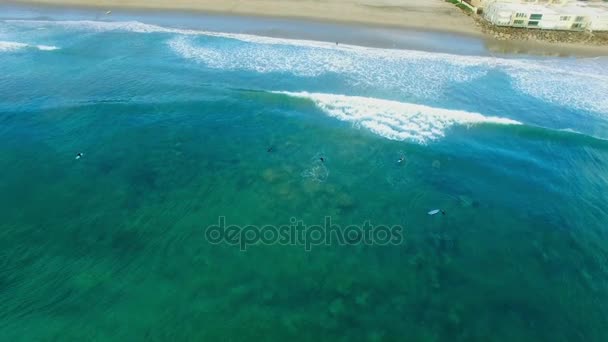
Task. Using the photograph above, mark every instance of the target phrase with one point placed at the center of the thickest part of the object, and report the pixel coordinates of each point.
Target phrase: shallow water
(175, 127)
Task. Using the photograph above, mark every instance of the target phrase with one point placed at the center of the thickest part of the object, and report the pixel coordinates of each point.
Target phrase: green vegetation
(464, 8)
(460, 5)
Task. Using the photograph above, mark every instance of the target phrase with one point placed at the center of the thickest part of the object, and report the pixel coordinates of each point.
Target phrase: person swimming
(79, 155)
(322, 159)
(270, 149)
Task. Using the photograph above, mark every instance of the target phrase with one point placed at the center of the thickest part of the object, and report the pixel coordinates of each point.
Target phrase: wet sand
(435, 15)
(411, 22)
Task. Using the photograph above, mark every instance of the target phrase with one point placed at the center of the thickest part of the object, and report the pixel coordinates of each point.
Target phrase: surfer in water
(79, 155)
(322, 159)
(436, 211)
(401, 160)
(270, 149)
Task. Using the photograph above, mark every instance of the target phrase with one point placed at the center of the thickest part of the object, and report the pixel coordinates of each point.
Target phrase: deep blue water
(179, 127)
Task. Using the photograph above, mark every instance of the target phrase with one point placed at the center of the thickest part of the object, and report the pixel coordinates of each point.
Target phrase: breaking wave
(568, 83)
(578, 84)
(15, 46)
(396, 120)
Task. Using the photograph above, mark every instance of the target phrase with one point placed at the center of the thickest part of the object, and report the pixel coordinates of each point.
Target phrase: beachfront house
(478, 6)
(482, 3)
(599, 21)
(572, 16)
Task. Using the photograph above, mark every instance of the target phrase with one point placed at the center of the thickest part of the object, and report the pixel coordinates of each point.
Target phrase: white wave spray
(396, 120)
(16, 46)
(572, 83)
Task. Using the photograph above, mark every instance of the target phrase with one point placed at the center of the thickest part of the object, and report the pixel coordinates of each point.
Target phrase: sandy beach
(434, 15)
(421, 16)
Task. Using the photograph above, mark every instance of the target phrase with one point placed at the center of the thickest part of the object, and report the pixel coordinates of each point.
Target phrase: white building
(599, 19)
(573, 16)
(483, 3)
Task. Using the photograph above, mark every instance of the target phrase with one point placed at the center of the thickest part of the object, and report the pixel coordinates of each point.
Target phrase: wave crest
(16, 46)
(578, 84)
(396, 120)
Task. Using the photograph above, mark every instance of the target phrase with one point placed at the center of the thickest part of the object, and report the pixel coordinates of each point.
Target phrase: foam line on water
(139, 27)
(16, 46)
(410, 72)
(396, 120)
(579, 84)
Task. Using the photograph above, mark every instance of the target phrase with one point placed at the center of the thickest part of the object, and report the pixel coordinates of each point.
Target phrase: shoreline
(437, 16)
(364, 32)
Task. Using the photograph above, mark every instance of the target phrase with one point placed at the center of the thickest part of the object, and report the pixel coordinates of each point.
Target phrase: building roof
(577, 8)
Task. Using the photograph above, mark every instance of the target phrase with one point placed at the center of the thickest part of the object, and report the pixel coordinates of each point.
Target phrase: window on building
(518, 22)
(564, 18)
(580, 18)
(532, 23)
(520, 15)
(536, 16)
(577, 25)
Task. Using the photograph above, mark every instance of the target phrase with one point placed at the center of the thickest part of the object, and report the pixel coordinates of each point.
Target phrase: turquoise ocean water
(175, 127)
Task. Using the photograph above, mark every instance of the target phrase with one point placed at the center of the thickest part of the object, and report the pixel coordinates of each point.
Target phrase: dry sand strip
(429, 15)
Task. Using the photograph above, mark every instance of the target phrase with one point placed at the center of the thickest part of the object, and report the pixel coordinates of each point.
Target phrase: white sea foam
(423, 74)
(11, 46)
(396, 120)
(16, 46)
(46, 47)
(565, 82)
(571, 83)
(409, 72)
